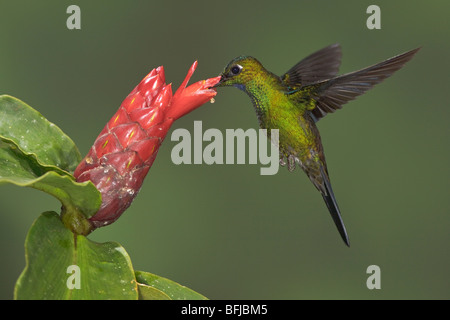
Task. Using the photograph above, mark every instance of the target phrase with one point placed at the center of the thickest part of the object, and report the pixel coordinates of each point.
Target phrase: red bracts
(124, 151)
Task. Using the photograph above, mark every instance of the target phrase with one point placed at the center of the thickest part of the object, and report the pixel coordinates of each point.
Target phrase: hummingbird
(294, 102)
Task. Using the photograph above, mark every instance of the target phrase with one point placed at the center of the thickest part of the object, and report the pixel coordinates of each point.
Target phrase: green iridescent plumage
(294, 102)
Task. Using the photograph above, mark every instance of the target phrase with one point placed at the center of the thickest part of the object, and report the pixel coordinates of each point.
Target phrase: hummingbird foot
(282, 159)
(291, 162)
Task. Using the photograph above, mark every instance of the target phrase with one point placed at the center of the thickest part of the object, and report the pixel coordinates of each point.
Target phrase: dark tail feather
(332, 205)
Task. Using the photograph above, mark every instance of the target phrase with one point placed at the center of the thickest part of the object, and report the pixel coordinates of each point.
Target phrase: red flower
(124, 151)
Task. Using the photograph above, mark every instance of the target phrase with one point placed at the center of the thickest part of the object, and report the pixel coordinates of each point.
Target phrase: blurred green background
(225, 230)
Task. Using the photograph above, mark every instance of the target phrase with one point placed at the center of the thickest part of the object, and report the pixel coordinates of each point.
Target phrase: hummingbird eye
(235, 70)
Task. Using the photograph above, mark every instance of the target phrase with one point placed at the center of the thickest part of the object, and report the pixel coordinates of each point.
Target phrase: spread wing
(331, 94)
(321, 65)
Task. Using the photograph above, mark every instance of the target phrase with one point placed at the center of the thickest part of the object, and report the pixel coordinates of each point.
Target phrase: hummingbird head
(240, 72)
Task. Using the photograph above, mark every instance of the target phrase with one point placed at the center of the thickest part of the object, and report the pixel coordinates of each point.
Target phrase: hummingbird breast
(298, 134)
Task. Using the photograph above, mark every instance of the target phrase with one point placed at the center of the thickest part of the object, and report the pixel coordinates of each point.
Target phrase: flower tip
(189, 74)
(160, 72)
(211, 82)
(186, 80)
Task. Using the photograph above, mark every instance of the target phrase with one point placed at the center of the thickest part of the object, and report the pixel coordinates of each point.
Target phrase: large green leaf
(150, 293)
(22, 169)
(153, 287)
(57, 262)
(34, 134)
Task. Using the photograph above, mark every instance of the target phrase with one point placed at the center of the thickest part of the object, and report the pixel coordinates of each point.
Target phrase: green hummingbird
(296, 101)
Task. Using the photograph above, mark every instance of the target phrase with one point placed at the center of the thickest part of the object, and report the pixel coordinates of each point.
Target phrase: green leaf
(57, 262)
(24, 170)
(149, 293)
(34, 134)
(151, 286)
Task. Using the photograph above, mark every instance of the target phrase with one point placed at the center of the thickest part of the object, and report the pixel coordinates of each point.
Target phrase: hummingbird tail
(332, 205)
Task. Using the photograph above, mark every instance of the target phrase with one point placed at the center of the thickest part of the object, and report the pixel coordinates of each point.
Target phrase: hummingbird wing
(331, 94)
(321, 65)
